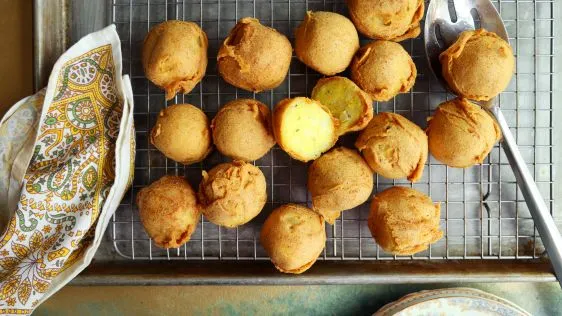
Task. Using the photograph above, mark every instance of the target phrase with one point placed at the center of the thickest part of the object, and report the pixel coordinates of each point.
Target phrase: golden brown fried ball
(174, 56)
(169, 211)
(293, 236)
(242, 130)
(478, 66)
(339, 180)
(182, 133)
(461, 134)
(232, 194)
(350, 105)
(304, 128)
(389, 20)
(394, 147)
(404, 221)
(383, 69)
(254, 57)
(326, 42)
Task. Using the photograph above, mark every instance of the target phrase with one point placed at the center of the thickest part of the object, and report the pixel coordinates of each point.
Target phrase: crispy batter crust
(339, 180)
(182, 133)
(174, 56)
(394, 147)
(254, 57)
(293, 236)
(383, 69)
(326, 42)
(169, 211)
(478, 66)
(242, 130)
(404, 221)
(232, 194)
(461, 134)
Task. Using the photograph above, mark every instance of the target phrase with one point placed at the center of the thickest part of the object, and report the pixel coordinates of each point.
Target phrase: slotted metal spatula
(439, 33)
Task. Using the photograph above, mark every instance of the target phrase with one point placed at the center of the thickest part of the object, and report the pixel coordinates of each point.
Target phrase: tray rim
(322, 273)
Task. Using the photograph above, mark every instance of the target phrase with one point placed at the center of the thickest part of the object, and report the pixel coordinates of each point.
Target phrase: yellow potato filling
(343, 100)
(307, 129)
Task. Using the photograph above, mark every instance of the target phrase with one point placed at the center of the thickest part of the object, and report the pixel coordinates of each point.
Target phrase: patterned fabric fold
(80, 165)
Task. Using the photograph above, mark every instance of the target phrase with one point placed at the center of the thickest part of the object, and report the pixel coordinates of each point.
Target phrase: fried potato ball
(182, 133)
(461, 134)
(242, 130)
(478, 66)
(383, 69)
(326, 42)
(339, 180)
(350, 105)
(404, 221)
(174, 56)
(304, 128)
(389, 20)
(293, 236)
(168, 211)
(254, 57)
(394, 147)
(232, 194)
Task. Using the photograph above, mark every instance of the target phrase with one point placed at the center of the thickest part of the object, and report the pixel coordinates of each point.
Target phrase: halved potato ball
(232, 194)
(168, 211)
(182, 133)
(304, 128)
(242, 130)
(339, 180)
(404, 221)
(293, 236)
(461, 134)
(394, 147)
(383, 69)
(389, 20)
(479, 65)
(254, 57)
(350, 105)
(326, 42)
(174, 56)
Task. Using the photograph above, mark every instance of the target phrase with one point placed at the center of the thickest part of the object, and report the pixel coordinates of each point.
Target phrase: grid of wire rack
(483, 215)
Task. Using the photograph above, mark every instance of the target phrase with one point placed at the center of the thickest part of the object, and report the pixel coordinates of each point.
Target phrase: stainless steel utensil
(439, 33)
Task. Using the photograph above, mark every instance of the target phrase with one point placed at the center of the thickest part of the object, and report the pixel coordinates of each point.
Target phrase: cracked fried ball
(174, 56)
(168, 211)
(404, 221)
(350, 105)
(478, 66)
(182, 133)
(339, 180)
(242, 130)
(293, 236)
(326, 42)
(254, 57)
(383, 69)
(389, 20)
(232, 194)
(461, 134)
(394, 147)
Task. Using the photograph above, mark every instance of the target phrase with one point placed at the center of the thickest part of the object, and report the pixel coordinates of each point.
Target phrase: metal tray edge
(261, 273)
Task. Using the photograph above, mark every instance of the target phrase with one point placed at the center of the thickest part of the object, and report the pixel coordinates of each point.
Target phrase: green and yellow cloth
(66, 160)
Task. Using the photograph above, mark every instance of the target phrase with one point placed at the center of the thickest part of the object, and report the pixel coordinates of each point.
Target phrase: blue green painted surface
(537, 298)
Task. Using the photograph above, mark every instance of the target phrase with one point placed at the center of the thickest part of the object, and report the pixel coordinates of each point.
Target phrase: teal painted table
(536, 298)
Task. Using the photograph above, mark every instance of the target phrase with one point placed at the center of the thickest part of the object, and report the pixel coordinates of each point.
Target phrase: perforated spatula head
(446, 20)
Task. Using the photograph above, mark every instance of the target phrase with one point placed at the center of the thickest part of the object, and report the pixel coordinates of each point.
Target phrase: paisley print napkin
(66, 160)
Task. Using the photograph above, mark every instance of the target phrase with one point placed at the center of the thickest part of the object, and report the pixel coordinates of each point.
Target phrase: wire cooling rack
(483, 215)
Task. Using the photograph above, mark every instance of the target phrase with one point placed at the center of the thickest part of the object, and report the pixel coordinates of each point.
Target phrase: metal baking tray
(489, 234)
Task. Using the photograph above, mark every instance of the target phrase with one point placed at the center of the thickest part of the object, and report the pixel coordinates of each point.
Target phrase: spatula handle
(543, 220)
